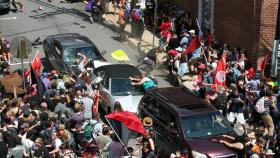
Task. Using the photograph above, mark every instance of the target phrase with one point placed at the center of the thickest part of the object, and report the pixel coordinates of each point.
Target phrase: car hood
(129, 103)
(209, 147)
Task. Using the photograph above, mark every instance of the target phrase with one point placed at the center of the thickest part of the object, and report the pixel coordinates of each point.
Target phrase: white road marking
(11, 18)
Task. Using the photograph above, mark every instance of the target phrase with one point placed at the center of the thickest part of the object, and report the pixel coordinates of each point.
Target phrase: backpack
(126, 16)
(89, 6)
(89, 129)
(135, 15)
(259, 107)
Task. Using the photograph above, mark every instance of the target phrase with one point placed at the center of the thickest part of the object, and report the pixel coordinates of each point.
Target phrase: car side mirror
(103, 52)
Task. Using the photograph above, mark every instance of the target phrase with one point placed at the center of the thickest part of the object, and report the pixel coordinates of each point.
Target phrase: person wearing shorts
(236, 107)
(122, 23)
(5, 50)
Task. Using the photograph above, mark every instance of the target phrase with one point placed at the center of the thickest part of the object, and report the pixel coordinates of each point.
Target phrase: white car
(116, 86)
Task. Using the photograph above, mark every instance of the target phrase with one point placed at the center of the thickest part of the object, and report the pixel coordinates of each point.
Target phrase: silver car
(116, 86)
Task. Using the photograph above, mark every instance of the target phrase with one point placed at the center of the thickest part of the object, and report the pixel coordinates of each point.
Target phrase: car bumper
(4, 5)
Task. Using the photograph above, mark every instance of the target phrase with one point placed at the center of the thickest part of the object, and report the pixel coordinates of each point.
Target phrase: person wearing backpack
(137, 22)
(263, 107)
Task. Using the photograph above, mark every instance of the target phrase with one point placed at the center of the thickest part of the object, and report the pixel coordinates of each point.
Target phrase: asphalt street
(56, 18)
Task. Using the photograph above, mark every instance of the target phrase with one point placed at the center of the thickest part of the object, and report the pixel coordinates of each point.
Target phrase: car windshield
(70, 54)
(204, 125)
(123, 87)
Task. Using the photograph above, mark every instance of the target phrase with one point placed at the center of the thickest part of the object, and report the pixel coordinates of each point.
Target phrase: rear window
(205, 125)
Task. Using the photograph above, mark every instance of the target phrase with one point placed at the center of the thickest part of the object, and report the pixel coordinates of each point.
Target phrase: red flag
(264, 62)
(209, 39)
(129, 119)
(36, 64)
(194, 45)
(220, 77)
(96, 102)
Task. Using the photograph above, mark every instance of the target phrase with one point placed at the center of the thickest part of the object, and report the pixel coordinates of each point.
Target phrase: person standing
(236, 108)
(138, 21)
(122, 23)
(149, 12)
(40, 149)
(87, 103)
(115, 148)
(103, 140)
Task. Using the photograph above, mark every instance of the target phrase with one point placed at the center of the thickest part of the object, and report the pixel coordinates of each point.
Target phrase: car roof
(182, 101)
(119, 70)
(71, 39)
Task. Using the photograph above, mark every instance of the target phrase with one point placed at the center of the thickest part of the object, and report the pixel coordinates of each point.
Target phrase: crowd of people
(248, 98)
(61, 123)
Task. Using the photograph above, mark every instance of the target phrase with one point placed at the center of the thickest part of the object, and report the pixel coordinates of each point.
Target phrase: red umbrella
(129, 119)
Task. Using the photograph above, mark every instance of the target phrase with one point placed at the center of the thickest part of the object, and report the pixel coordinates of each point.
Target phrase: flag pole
(118, 137)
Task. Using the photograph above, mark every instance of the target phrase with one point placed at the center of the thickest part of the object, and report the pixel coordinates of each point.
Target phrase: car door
(167, 134)
(158, 112)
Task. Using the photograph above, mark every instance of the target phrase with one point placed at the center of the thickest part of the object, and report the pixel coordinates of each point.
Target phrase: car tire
(6, 11)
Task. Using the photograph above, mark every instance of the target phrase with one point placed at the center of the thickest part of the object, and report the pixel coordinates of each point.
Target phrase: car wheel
(7, 10)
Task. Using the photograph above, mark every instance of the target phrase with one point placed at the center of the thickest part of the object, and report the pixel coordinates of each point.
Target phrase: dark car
(5, 5)
(184, 122)
(62, 51)
(116, 86)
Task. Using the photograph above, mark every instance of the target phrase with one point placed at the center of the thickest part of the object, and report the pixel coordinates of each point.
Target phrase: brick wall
(268, 24)
(247, 24)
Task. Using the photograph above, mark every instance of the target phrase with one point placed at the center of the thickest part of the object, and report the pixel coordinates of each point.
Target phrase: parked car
(62, 51)
(184, 122)
(116, 86)
(5, 5)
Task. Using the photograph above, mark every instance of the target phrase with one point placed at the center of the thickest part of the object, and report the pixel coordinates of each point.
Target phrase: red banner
(36, 64)
(95, 103)
(220, 77)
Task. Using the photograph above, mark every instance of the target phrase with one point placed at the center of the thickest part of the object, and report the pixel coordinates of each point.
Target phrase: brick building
(247, 24)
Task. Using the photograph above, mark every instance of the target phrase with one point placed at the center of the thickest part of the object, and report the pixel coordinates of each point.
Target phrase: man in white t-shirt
(83, 63)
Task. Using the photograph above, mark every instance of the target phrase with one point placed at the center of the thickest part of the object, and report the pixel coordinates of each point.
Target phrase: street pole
(22, 47)
(155, 22)
(275, 64)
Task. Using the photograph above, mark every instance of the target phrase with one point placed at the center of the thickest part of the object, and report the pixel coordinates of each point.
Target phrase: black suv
(184, 122)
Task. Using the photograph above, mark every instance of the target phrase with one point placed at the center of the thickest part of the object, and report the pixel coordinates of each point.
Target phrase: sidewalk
(144, 45)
